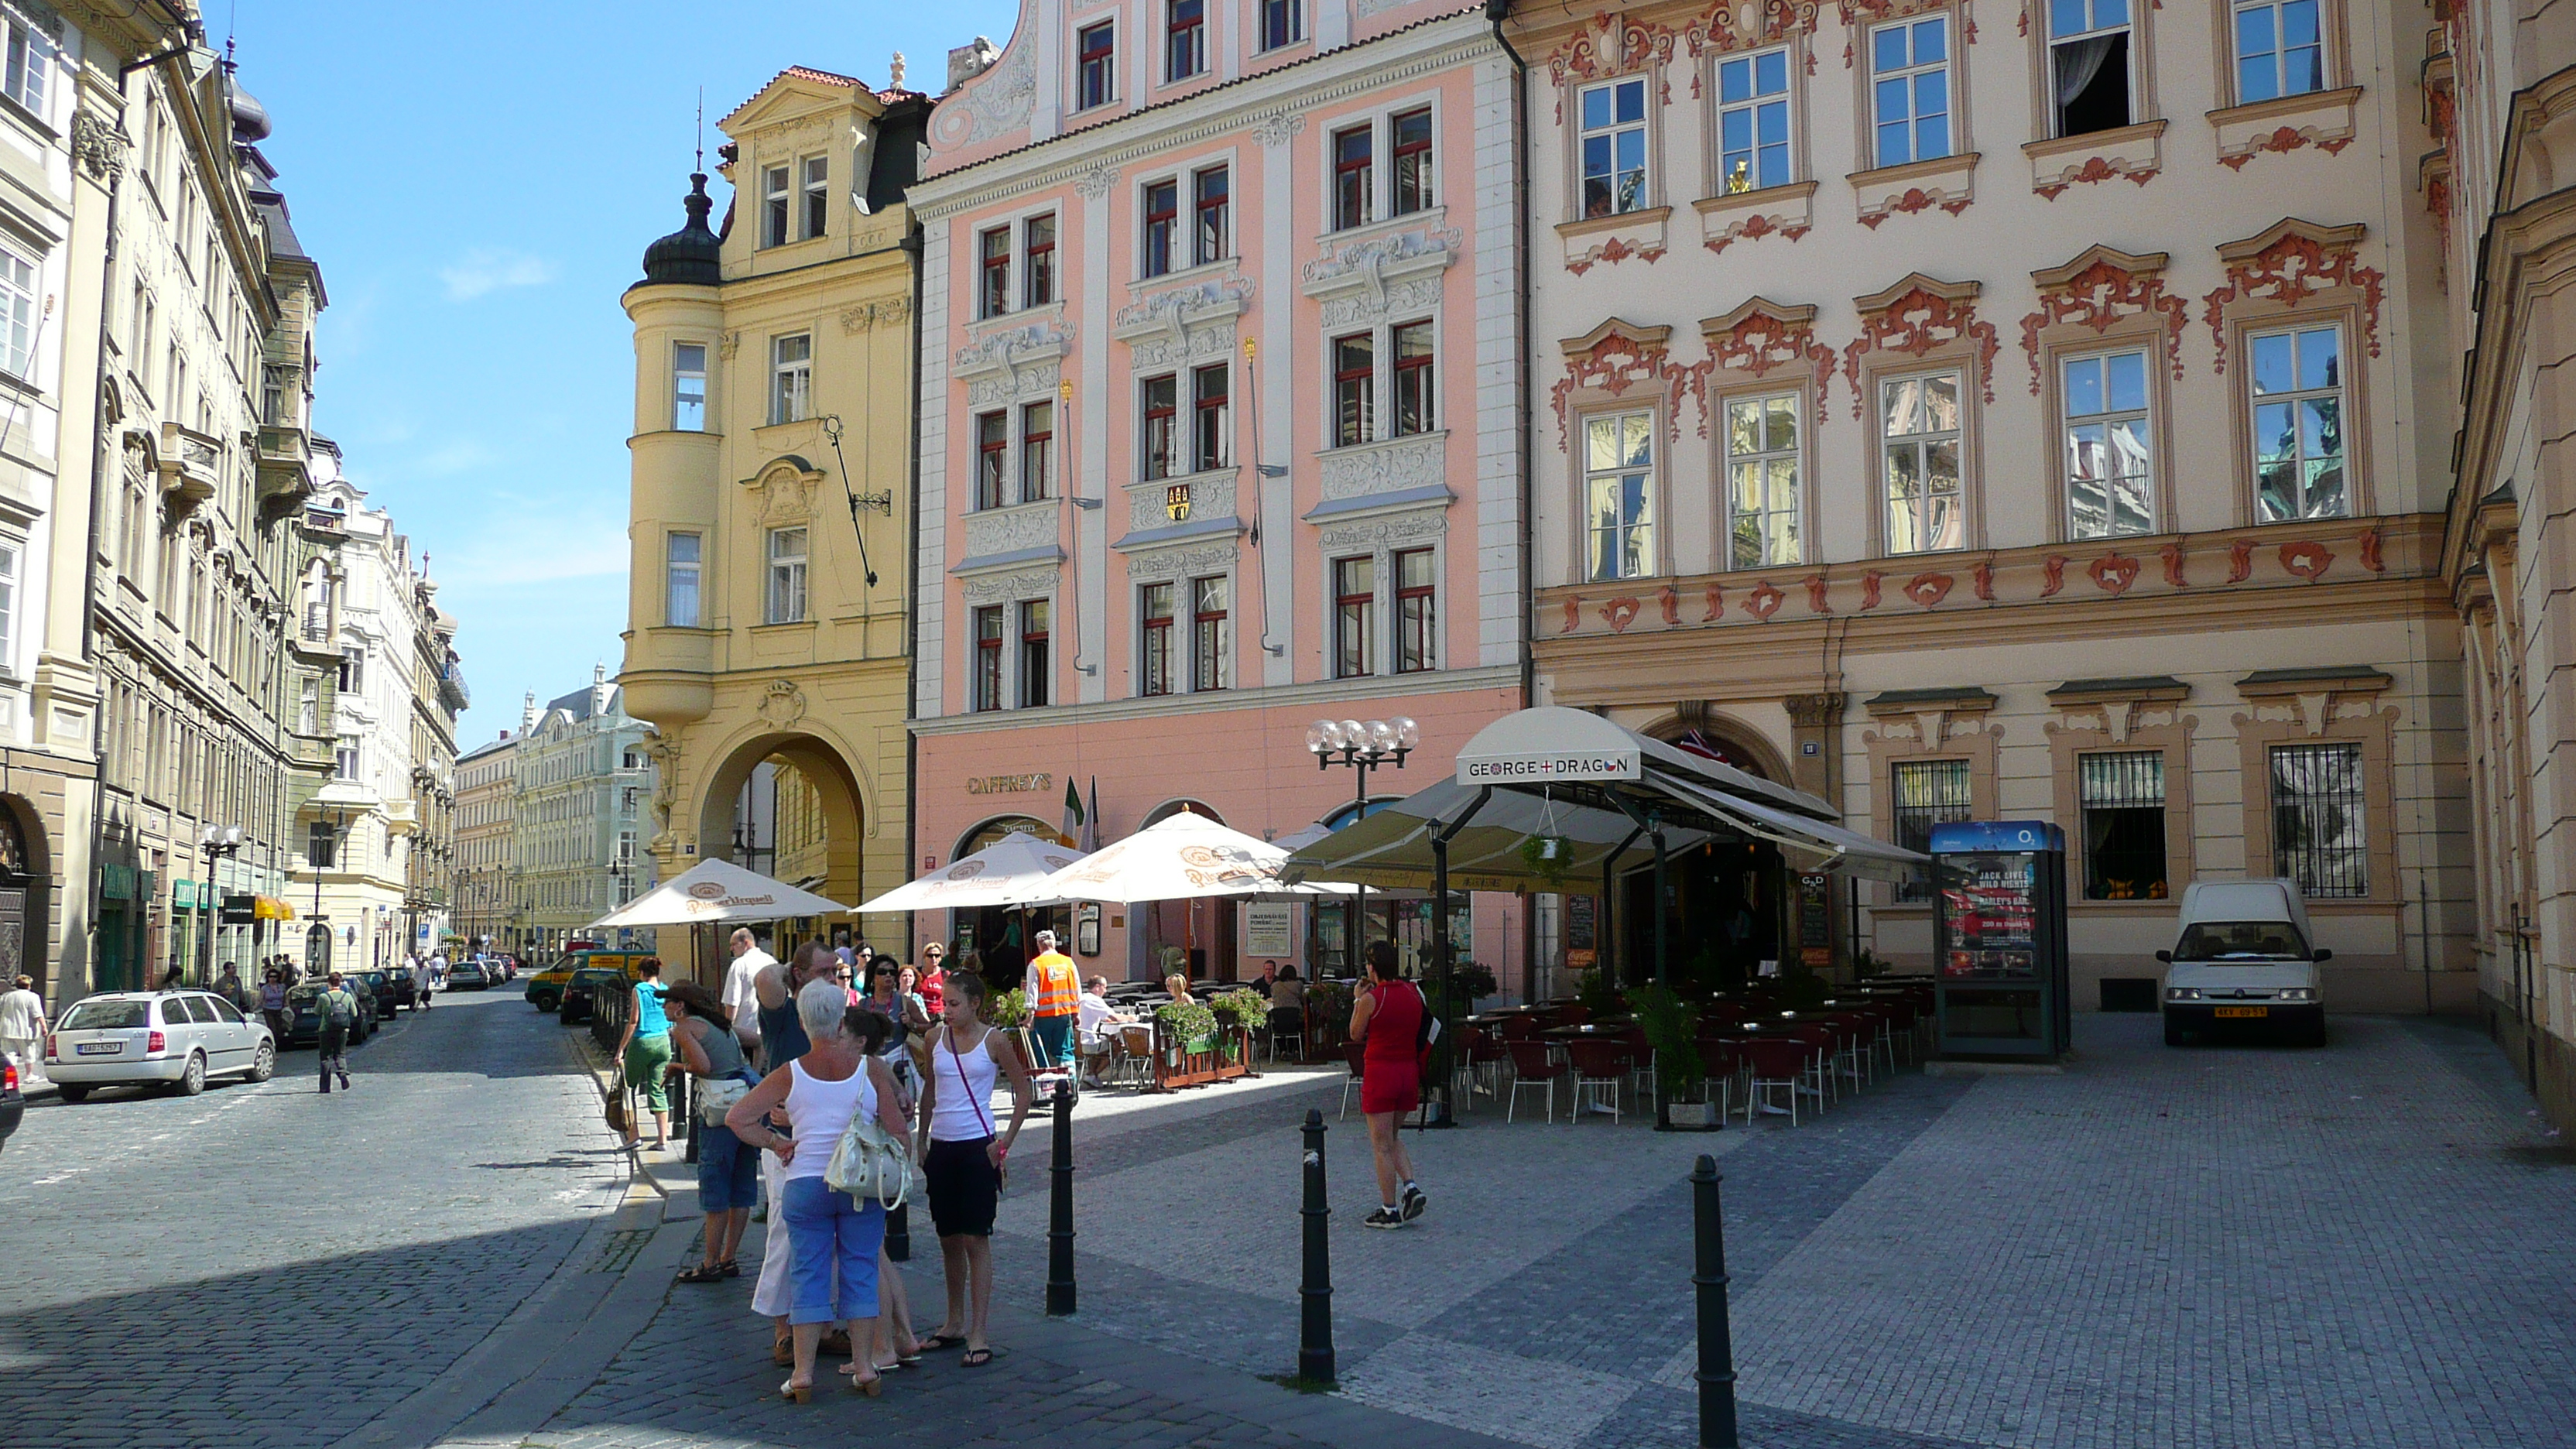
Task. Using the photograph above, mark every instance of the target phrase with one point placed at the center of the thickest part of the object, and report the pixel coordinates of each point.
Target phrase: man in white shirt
(1091, 1012)
(424, 983)
(22, 1023)
(739, 999)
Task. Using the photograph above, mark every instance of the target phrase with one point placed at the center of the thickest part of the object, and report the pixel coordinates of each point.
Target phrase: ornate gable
(2289, 262)
(2100, 287)
(1917, 316)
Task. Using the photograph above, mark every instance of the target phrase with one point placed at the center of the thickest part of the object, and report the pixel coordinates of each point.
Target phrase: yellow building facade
(772, 492)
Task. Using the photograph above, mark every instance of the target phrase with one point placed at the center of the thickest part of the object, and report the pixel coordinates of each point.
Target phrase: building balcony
(285, 470)
(190, 463)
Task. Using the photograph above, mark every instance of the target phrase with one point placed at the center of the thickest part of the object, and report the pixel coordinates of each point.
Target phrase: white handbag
(716, 1096)
(870, 1162)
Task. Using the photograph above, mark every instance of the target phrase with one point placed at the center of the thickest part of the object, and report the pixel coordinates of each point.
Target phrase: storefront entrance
(1003, 934)
(1730, 902)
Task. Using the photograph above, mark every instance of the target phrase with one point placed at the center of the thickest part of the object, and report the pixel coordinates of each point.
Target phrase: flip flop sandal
(938, 1341)
(703, 1274)
(976, 1358)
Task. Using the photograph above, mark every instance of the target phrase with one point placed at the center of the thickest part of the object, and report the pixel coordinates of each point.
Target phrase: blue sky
(478, 182)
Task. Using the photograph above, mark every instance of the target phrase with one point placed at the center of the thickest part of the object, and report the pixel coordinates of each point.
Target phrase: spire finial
(702, 130)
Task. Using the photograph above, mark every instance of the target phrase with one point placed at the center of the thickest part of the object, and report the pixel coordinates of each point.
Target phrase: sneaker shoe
(1414, 1202)
(344, 1081)
(1381, 1218)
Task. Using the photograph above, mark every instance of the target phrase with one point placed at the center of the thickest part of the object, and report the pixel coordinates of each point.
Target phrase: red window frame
(1354, 389)
(988, 658)
(1416, 612)
(1154, 621)
(1208, 415)
(992, 448)
(1035, 669)
(995, 270)
(1354, 166)
(1039, 231)
(1185, 39)
(1208, 651)
(1037, 452)
(1211, 204)
(1414, 380)
(1159, 405)
(1097, 45)
(1162, 218)
(1412, 160)
(1354, 616)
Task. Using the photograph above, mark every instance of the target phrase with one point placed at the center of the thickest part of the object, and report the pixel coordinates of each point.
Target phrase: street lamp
(1363, 745)
(216, 841)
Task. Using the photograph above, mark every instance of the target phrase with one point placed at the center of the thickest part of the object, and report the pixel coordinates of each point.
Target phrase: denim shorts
(728, 1172)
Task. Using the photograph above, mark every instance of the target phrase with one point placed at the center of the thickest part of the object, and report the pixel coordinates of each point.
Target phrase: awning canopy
(1551, 772)
(1000, 874)
(717, 890)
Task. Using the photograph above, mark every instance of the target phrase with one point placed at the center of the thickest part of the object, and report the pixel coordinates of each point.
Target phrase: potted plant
(1189, 1027)
(1471, 980)
(1671, 1025)
(1598, 994)
(1240, 1013)
(1008, 1012)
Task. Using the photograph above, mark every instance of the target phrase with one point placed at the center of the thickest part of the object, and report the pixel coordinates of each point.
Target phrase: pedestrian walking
(963, 1157)
(1388, 1021)
(228, 985)
(738, 999)
(337, 1010)
(644, 1048)
(22, 1021)
(1055, 999)
(272, 1003)
(783, 1040)
(703, 1044)
(424, 985)
(829, 1232)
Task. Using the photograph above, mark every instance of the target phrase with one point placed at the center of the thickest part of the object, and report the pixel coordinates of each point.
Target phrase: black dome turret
(692, 255)
(250, 118)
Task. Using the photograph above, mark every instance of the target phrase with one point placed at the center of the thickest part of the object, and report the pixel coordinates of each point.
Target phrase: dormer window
(818, 174)
(775, 212)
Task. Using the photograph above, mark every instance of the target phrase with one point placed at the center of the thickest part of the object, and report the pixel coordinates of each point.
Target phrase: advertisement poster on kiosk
(1999, 938)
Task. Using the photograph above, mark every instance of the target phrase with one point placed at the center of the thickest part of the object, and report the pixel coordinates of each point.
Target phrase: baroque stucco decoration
(786, 489)
(1183, 323)
(1617, 356)
(1749, 25)
(2289, 262)
(2096, 290)
(99, 144)
(782, 703)
(997, 101)
(1762, 335)
(1915, 316)
(1878, 11)
(869, 316)
(1014, 362)
(1368, 282)
(1607, 46)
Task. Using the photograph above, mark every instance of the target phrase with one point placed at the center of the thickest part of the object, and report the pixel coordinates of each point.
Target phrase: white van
(2244, 957)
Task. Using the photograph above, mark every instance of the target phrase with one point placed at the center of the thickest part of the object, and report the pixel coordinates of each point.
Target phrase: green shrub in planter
(1472, 980)
(1598, 993)
(1671, 1026)
(1007, 1009)
(1188, 1023)
(1243, 1009)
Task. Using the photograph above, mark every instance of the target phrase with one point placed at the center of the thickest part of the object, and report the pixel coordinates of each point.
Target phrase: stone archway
(821, 845)
(1706, 731)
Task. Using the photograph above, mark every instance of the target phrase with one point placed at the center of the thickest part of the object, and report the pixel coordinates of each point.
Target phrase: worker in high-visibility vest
(1055, 996)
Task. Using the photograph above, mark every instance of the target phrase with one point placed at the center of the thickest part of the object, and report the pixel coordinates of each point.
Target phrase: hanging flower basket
(1548, 857)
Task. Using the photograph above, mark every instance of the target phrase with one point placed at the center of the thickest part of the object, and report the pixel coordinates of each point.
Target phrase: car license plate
(2242, 1011)
(99, 1048)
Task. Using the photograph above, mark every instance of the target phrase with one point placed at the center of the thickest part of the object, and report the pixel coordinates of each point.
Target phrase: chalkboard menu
(1578, 923)
(1815, 921)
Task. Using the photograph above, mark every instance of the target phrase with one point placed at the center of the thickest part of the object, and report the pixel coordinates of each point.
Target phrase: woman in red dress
(1387, 1019)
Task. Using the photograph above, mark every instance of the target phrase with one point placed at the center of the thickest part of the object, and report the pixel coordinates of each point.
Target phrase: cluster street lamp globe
(1363, 745)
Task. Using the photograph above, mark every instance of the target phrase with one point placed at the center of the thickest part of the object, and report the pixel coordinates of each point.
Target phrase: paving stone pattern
(263, 1265)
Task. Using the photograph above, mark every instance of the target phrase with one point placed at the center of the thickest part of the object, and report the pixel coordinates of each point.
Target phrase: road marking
(62, 1176)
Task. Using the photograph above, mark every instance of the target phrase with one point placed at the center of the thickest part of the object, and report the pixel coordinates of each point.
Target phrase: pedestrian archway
(789, 805)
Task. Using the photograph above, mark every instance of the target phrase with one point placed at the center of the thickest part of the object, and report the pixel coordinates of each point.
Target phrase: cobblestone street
(2360, 1246)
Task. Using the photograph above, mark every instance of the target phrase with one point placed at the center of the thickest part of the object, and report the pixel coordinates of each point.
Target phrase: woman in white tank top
(827, 1231)
(963, 1156)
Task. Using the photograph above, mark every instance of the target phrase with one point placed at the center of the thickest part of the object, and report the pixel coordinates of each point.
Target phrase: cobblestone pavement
(263, 1265)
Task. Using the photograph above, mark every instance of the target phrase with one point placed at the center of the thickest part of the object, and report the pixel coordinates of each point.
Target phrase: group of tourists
(786, 1056)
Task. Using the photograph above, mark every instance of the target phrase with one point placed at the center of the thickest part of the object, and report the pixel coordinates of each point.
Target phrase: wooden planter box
(1197, 1063)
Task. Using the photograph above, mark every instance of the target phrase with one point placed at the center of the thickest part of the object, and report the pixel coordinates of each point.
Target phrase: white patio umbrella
(1183, 857)
(998, 875)
(717, 890)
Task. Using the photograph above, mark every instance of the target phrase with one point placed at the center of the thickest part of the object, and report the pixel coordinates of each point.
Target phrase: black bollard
(1716, 1338)
(1059, 1294)
(1315, 1299)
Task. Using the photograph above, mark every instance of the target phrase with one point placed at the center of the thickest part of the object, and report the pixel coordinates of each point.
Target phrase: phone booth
(1999, 938)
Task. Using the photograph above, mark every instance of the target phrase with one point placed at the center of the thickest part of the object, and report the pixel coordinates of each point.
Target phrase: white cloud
(489, 269)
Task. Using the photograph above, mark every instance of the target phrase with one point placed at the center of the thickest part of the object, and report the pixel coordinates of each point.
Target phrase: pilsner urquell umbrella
(998, 875)
(717, 890)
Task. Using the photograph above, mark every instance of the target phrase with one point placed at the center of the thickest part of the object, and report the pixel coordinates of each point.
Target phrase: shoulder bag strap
(958, 1060)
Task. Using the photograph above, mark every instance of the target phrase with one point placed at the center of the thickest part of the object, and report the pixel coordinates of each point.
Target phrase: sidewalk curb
(679, 1193)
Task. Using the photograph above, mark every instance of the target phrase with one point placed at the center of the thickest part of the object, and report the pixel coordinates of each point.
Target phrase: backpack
(339, 1008)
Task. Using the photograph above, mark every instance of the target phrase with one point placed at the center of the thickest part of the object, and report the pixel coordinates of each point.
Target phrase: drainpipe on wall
(912, 245)
(1496, 12)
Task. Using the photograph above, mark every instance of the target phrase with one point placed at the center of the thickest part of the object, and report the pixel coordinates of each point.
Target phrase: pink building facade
(1221, 433)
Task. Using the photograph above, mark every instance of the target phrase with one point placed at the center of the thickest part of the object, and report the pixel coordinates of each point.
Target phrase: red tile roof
(801, 72)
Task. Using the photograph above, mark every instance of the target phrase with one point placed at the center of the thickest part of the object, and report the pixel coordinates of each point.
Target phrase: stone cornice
(1075, 155)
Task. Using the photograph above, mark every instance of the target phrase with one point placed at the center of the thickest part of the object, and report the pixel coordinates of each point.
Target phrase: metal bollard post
(1716, 1337)
(1059, 1290)
(1315, 1298)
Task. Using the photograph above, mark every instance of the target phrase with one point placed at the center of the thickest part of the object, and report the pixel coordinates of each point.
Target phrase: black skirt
(964, 1188)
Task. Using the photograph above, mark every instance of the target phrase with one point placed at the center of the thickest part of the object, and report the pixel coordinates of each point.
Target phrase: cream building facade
(2022, 414)
(772, 483)
(487, 899)
(584, 791)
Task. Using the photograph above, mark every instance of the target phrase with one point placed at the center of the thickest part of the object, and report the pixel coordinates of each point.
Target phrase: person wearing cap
(1055, 1001)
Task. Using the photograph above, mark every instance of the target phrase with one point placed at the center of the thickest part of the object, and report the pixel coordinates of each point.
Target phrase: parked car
(379, 984)
(582, 993)
(464, 974)
(546, 987)
(179, 1039)
(508, 968)
(2244, 958)
(13, 1101)
(406, 992)
(304, 1023)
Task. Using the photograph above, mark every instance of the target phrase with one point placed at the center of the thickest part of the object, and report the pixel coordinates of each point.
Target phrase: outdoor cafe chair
(1820, 1043)
(1484, 1057)
(1717, 1067)
(1599, 1067)
(1536, 1068)
(1776, 1064)
(1131, 1053)
(1353, 1052)
(1851, 1048)
(1288, 1022)
(1641, 1057)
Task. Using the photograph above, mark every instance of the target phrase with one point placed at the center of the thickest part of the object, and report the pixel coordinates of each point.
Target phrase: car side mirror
(2165, 956)
(2321, 954)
